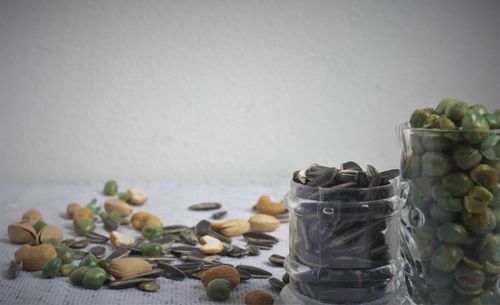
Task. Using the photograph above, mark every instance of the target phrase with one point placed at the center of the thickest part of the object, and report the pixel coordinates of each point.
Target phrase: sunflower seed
(389, 174)
(220, 237)
(68, 242)
(237, 252)
(150, 286)
(283, 218)
(277, 259)
(276, 283)
(164, 240)
(110, 225)
(325, 179)
(165, 259)
(14, 269)
(174, 229)
(98, 251)
(371, 170)
(152, 274)
(219, 215)
(118, 253)
(253, 250)
(264, 247)
(202, 227)
(244, 275)
(196, 275)
(80, 244)
(189, 237)
(255, 272)
(78, 254)
(172, 272)
(179, 250)
(123, 284)
(190, 267)
(351, 165)
(139, 242)
(260, 238)
(96, 238)
(175, 237)
(205, 206)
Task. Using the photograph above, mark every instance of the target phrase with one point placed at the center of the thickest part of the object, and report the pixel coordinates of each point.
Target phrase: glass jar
(343, 246)
(450, 222)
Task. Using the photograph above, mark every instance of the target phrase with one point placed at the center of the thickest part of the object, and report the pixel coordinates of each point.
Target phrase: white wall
(223, 90)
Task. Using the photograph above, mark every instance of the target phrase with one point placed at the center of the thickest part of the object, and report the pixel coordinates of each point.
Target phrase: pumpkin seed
(202, 227)
(118, 253)
(237, 252)
(255, 272)
(150, 286)
(96, 238)
(130, 283)
(78, 254)
(277, 259)
(171, 272)
(260, 238)
(14, 269)
(276, 283)
(205, 206)
(68, 242)
(98, 251)
(80, 244)
(219, 215)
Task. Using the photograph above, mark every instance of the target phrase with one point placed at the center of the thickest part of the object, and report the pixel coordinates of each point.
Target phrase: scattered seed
(253, 250)
(276, 283)
(80, 244)
(255, 272)
(68, 242)
(179, 250)
(123, 284)
(150, 286)
(277, 259)
(189, 237)
(260, 238)
(202, 227)
(244, 275)
(219, 215)
(174, 229)
(205, 206)
(97, 238)
(79, 254)
(171, 272)
(154, 273)
(98, 251)
(118, 253)
(14, 269)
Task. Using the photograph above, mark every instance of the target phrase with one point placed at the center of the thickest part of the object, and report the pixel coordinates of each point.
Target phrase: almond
(137, 196)
(227, 272)
(258, 297)
(234, 227)
(128, 266)
(263, 223)
(266, 206)
(141, 219)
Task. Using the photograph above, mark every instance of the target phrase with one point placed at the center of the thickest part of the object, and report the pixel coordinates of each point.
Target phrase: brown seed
(32, 216)
(33, 258)
(126, 267)
(49, 232)
(123, 208)
(235, 227)
(258, 297)
(263, 223)
(221, 272)
(266, 206)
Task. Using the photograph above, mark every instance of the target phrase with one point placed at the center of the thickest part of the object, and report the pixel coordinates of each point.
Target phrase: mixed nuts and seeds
(174, 252)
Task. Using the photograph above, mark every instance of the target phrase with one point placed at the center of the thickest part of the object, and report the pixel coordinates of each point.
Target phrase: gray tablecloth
(167, 200)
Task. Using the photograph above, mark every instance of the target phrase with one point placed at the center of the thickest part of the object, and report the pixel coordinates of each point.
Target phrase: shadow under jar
(343, 244)
(450, 222)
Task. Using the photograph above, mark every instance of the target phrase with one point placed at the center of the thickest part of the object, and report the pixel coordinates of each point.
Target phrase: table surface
(167, 200)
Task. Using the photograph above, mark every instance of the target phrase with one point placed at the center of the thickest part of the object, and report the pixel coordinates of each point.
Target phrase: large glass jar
(450, 222)
(344, 245)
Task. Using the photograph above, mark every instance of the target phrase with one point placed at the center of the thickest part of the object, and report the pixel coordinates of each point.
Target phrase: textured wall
(228, 90)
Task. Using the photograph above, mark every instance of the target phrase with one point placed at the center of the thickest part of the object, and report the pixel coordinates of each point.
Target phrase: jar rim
(406, 126)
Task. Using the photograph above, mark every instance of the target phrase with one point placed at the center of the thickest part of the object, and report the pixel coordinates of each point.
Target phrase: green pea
(419, 116)
(490, 249)
(492, 120)
(152, 250)
(456, 111)
(39, 225)
(458, 184)
(434, 141)
(431, 121)
(481, 223)
(485, 175)
(65, 255)
(469, 278)
(110, 188)
(452, 233)
(445, 200)
(84, 226)
(77, 275)
(94, 278)
(152, 232)
(477, 123)
(447, 257)
(490, 147)
(219, 289)
(442, 215)
(51, 268)
(480, 109)
(443, 296)
(436, 164)
(67, 269)
(446, 124)
(90, 261)
(466, 157)
(477, 200)
(104, 265)
(123, 197)
(54, 242)
(441, 107)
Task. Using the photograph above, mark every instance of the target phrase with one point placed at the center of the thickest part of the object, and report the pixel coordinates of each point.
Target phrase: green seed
(434, 141)
(90, 261)
(477, 200)
(84, 226)
(219, 289)
(436, 164)
(480, 109)
(110, 188)
(456, 111)
(466, 157)
(447, 257)
(438, 279)
(490, 147)
(485, 175)
(458, 184)
(150, 286)
(443, 296)
(67, 269)
(51, 268)
(76, 276)
(54, 242)
(441, 107)
(492, 120)
(469, 278)
(419, 116)
(39, 225)
(490, 249)
(152, 250)
(481, 223)
(445, 200)
(476, 122)
(452, 233)
(65, 255)
(152, 232)
(94, 278)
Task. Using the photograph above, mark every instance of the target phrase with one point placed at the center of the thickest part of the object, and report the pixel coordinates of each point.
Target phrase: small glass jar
(343, 246)
(450, 222)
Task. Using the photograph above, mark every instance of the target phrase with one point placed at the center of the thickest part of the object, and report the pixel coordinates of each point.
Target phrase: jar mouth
(406, 127)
